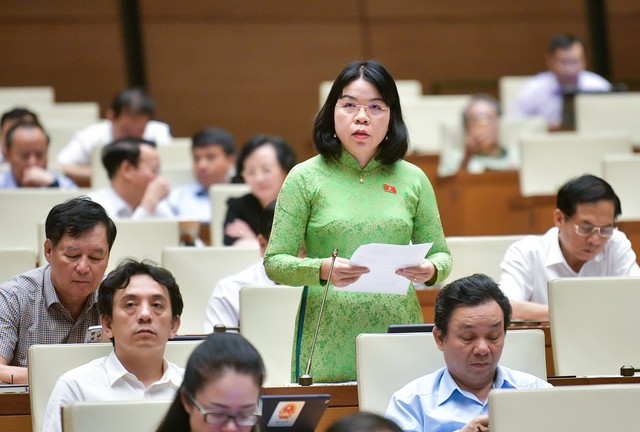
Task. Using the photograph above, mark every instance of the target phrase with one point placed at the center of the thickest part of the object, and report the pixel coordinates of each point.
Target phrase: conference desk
(15, 409)
(479, 204)
(15, 412)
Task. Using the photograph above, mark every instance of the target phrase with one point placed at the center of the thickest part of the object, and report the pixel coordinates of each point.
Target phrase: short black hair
(395, 145)
(120, 277)
(122, 149)
(586, 189)
(23, 124)
(77, 216)
(19, 113)
(133, 101)
(364, 422)
(212, 136)
(562, 41)
(469, 291)
(284, 153)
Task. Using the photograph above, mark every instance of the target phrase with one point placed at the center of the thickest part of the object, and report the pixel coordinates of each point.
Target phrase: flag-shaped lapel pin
(389, 188)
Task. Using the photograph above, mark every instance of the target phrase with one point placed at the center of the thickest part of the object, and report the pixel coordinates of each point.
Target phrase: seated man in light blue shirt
(543, 94)
(27, 145)
(214, 155)
(471, 318)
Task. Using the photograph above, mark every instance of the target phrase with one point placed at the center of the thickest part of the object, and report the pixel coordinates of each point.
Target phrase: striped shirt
(31, 313)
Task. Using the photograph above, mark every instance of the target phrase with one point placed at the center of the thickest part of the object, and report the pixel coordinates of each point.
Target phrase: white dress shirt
(529, 264)
(116, 207)
(106, 379)
(80, 147)
(224, 304)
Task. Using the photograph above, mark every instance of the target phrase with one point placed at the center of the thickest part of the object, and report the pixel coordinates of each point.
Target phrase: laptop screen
(410, 328)
(293, 413)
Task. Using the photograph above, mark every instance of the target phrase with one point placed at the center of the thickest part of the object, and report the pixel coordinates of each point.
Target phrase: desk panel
(15, 409)
(479, 204)
(344, 400)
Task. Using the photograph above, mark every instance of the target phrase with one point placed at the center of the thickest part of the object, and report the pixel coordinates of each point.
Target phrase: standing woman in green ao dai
(358, 190)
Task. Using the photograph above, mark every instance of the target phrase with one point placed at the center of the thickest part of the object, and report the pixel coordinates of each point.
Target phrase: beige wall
(254, 66)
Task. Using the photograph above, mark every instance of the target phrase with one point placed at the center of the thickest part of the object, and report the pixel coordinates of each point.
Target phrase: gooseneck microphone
(306, 379)
(221, 328)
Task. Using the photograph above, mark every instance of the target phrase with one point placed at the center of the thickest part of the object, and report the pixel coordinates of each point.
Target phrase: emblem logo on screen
(285, 414)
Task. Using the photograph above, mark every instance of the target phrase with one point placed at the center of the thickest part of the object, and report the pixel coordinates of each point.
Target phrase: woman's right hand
(343, 272)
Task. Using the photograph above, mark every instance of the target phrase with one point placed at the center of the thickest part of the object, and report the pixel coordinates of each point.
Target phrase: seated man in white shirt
(584, 242)
(214, 156)
(140, 306)
(471, 320)
(224, 304)
(137, 191)
(130, 115)
(27, 146)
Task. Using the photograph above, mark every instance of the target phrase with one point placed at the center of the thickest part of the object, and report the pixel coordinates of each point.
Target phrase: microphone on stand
(306, 379)
(628, 370)
(221, 328)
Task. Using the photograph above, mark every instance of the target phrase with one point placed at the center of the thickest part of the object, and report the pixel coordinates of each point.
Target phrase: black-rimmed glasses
(219, 418)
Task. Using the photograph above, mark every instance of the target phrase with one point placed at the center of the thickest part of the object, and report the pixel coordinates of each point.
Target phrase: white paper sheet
(383, 260)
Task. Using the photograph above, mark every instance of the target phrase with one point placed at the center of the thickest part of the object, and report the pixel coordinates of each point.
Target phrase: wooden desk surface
(15, 409)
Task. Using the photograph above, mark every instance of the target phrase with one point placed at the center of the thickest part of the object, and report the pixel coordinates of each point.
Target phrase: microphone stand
(221, 328)
(306, 379)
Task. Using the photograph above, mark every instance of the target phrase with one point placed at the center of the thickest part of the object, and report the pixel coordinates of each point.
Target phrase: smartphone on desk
(94, 334)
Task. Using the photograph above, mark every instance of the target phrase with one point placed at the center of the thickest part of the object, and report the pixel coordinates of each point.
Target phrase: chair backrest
(582, 408)
(139, 239)
(509, 86)
(197, 271)
(24, 209)
(176, 155)
(478, 254)
(48, 362)
(407, 89)
(267, 320)
(547, 161)
(424, 116)
(511, 130)
(609, 111)
(139, 416)
(19, 96)
(143, 239)
(78, 114)
(623, 173)
(594, 324)
(387, 362)
(14, 261)
(59, 137)
(219, 194)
